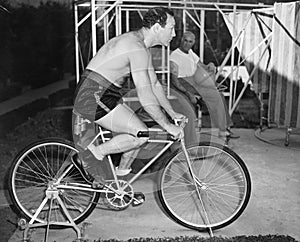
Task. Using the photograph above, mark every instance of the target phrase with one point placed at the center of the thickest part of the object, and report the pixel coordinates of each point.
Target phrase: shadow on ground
(8, 223)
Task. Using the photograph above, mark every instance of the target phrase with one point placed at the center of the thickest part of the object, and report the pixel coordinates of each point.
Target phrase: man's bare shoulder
(129, 41)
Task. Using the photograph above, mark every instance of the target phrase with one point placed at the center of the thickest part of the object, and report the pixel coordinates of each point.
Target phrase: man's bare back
(115, 59)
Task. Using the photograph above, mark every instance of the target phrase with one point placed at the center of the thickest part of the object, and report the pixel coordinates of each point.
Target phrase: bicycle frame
(86, 187)
(151, 132)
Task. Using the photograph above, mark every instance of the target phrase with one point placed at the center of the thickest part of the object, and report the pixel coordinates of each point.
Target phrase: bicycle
(202, 187)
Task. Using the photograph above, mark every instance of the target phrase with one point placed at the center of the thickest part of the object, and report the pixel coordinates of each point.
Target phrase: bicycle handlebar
(161, 134)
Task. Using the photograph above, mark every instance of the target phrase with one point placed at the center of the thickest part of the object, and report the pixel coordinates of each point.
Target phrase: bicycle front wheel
(34, 171)
(212, 193)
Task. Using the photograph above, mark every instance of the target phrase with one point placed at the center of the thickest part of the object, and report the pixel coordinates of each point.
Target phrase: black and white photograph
(149, 121)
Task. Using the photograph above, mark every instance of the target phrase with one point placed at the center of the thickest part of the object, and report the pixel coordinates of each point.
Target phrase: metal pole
(232, 64)
(106, 29)
(184, 16)
(120, 19)
(127, 20)
(76, 42)
(201, 43)
(168, 72)
(163, 64)
(93, 27)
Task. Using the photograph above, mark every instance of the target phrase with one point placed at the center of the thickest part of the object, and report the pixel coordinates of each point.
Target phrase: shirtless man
(98, 96)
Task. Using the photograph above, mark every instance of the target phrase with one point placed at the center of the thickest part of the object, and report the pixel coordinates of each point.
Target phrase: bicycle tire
(30, 174)
(224, 192)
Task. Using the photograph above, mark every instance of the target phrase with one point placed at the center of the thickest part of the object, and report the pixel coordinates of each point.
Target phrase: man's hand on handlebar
(177, 130)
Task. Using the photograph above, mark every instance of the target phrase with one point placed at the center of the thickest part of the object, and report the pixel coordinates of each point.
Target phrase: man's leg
(229, 122)
(124, 121)
(205, 85)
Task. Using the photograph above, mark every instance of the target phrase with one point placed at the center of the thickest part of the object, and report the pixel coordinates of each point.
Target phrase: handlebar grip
(143, 134)
(160, 135)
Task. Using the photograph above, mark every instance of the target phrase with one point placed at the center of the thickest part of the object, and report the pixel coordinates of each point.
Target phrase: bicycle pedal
(138, 199)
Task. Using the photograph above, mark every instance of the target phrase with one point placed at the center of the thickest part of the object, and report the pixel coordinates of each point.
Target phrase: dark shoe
(225, 136)
(85, 174)
(231, 135)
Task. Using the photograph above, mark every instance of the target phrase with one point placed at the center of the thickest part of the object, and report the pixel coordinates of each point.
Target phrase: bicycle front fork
(197, 183)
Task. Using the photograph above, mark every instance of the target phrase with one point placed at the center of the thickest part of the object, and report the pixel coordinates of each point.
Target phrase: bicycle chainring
(123, 198)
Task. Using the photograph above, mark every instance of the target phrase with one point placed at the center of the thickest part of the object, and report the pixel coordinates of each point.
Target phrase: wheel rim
(35, 173)
(221, 183)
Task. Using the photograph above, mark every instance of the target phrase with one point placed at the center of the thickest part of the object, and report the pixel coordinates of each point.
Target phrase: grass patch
(259, 238)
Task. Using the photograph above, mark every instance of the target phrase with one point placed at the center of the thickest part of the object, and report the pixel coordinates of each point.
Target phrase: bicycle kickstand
(210, 232)
(51, 194)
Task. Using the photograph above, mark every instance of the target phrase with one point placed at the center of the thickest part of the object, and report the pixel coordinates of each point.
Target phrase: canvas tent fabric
(276, 60)
(250, 29)
(284, 102)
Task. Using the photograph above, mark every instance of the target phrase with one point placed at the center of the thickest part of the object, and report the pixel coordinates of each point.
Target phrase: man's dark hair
(156, 15)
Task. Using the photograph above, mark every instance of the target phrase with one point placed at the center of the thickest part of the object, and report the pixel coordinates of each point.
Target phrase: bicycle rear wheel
(33, 171)
(218, 195)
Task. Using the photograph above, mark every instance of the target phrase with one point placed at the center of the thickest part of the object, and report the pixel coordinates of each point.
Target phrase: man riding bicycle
(98, 96)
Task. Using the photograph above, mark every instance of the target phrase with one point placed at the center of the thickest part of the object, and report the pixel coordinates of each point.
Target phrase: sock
(122, 172)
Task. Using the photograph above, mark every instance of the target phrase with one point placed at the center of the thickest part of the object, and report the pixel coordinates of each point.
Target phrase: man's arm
(140, 64)
(210, 67)
(148, 99)
(159, 92)
(160, 95)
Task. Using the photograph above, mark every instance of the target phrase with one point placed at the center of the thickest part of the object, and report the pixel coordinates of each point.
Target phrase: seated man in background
(192, 77)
